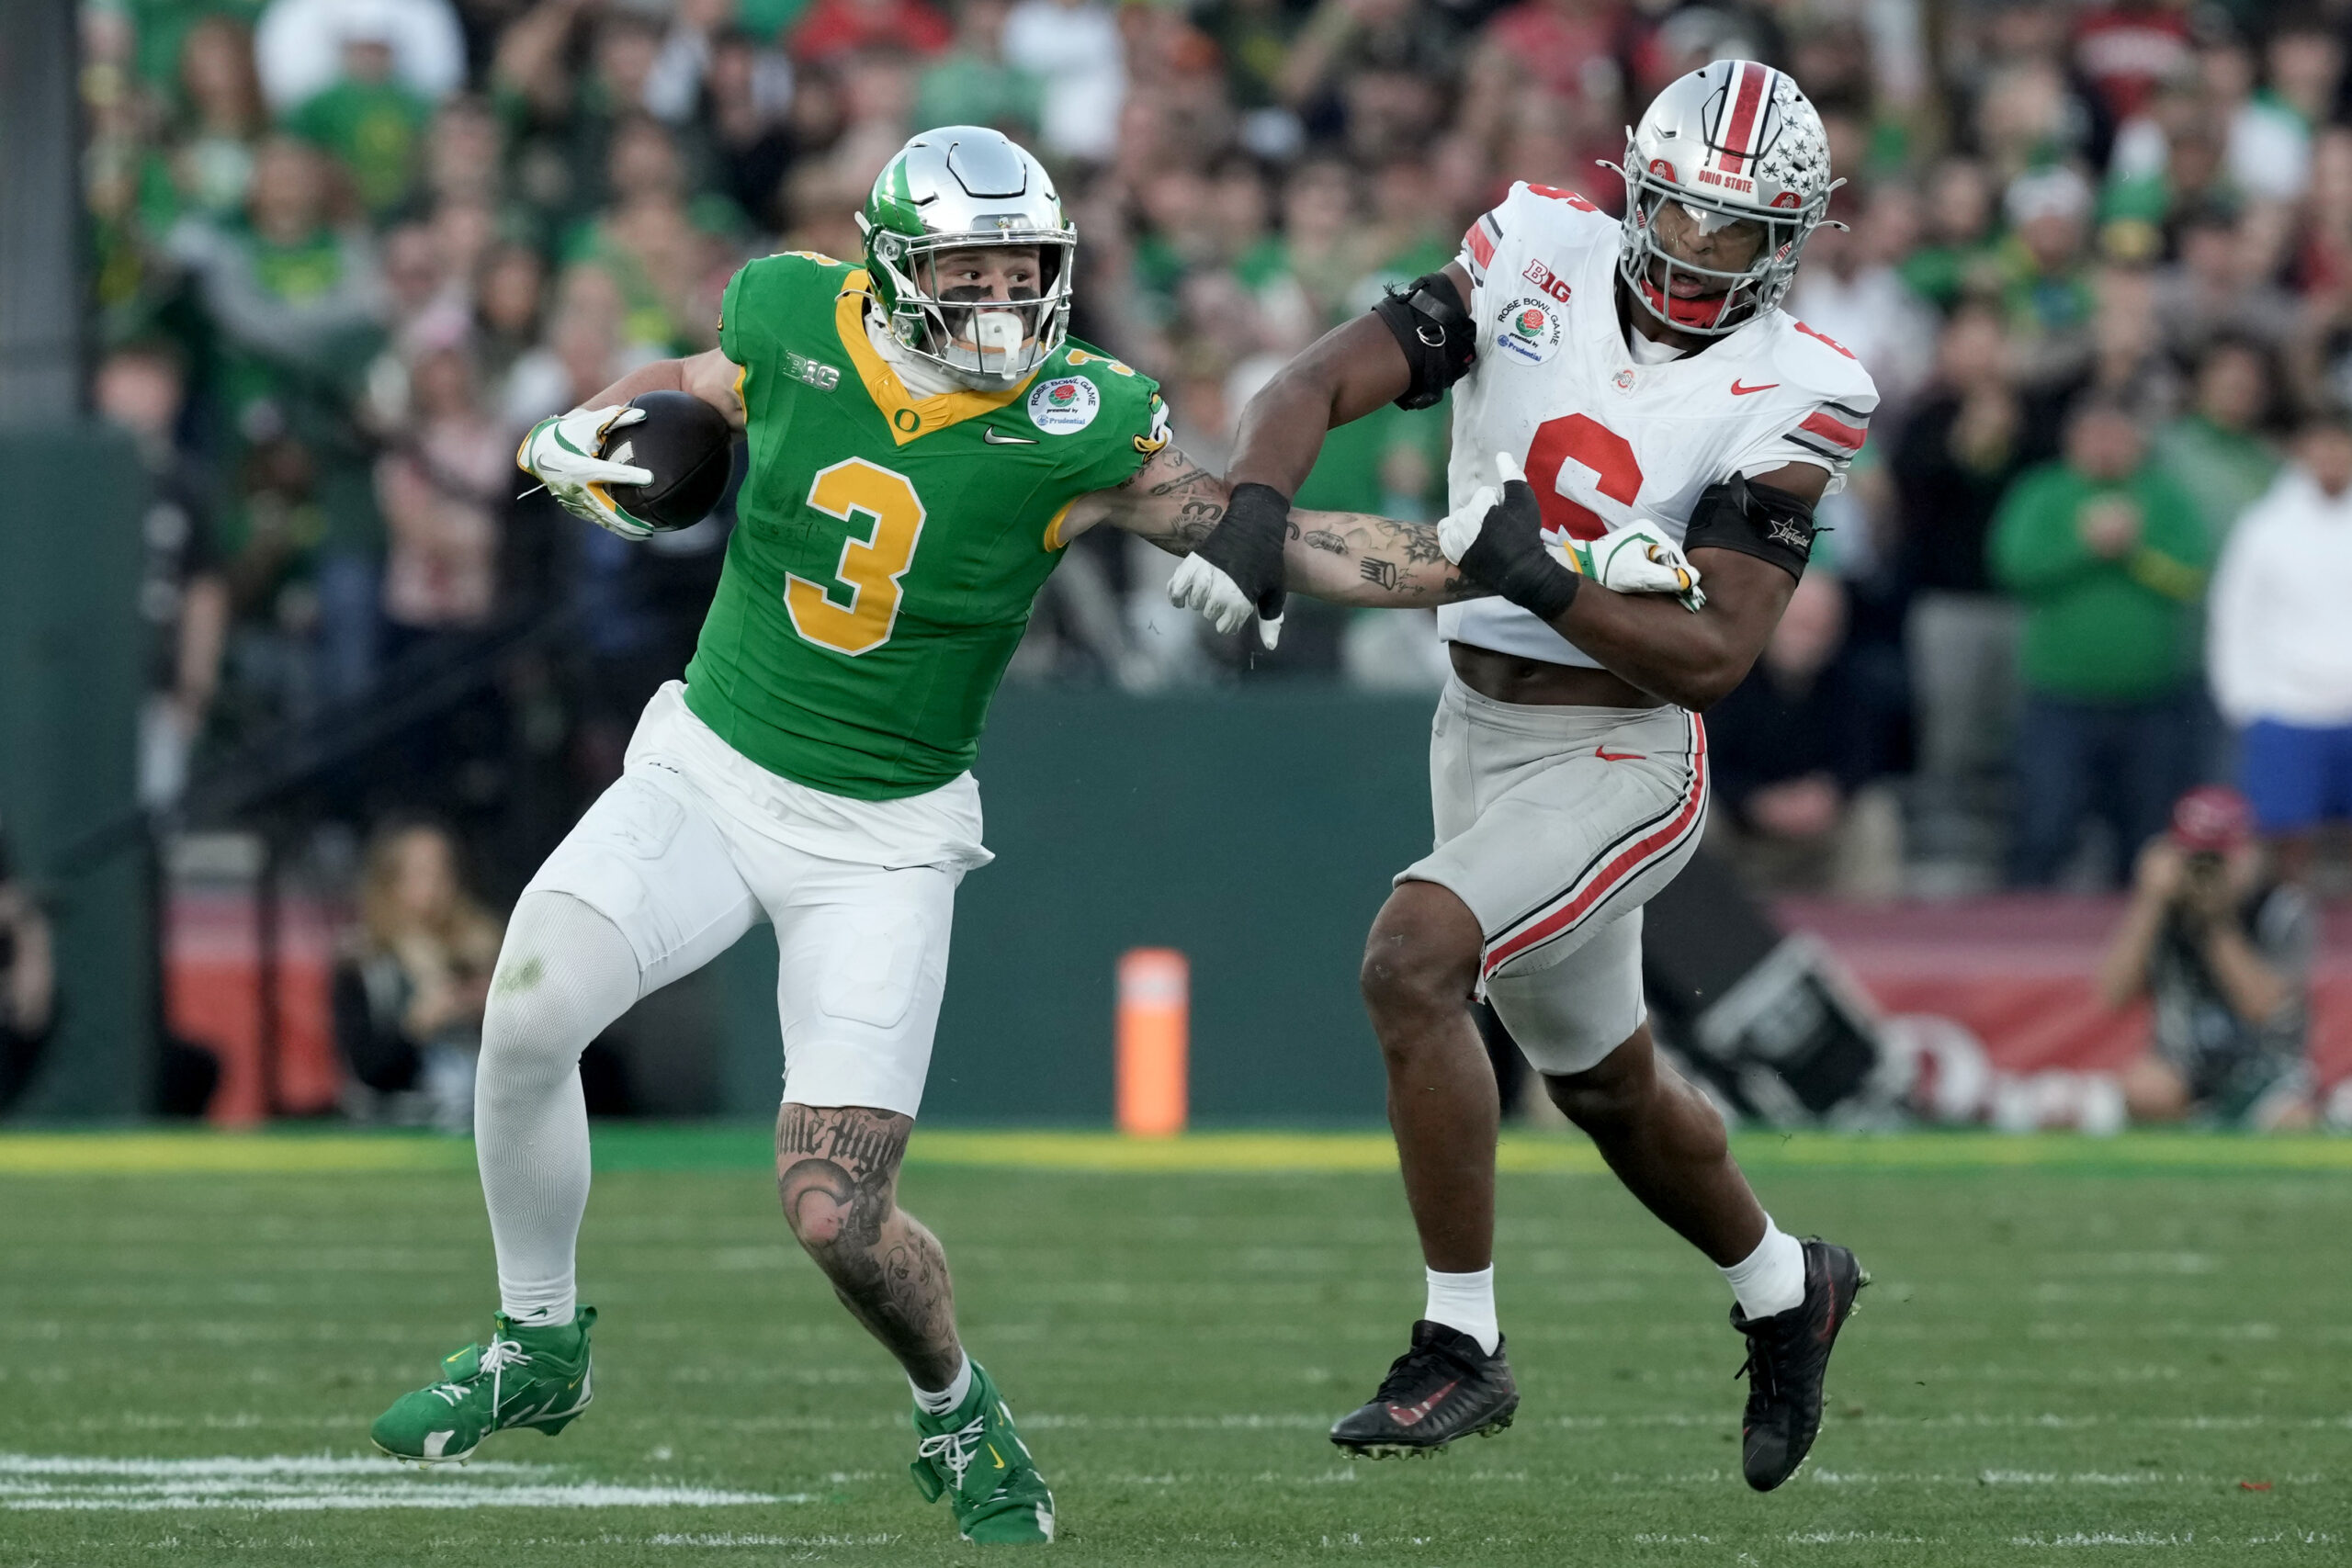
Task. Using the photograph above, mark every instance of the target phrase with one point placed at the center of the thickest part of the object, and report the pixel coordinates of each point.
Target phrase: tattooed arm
(1353, 557)
(1349, 557)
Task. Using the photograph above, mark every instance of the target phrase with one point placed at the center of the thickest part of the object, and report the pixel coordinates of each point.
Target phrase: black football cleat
(1443, 1388)
(1788, 1360)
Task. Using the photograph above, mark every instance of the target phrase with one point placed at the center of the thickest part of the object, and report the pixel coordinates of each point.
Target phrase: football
(690, 450)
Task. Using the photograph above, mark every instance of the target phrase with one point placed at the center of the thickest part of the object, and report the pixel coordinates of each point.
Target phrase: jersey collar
(907, 415)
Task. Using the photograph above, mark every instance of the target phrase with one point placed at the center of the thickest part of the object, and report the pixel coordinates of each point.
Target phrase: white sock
(1770, 1279)
(564, 973)
(958, 1389)
(1465, 1303)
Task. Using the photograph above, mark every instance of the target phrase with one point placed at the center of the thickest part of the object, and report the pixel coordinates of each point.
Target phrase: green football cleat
(974, 1457)
(524, 1377)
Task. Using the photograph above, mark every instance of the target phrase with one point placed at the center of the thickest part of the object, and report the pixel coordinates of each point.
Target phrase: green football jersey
(887, 547)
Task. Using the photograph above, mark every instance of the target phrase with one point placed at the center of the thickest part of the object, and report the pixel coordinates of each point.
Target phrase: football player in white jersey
(1640, 436)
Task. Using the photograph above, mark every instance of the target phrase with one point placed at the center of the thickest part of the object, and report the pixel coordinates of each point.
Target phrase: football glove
(1497, 535)
(1237, 569)
(1639, 561)
(561, 453)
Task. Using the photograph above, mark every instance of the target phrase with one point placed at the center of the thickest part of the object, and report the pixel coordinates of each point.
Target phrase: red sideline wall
(2017, 971)
(212, 996)
(2020, 972)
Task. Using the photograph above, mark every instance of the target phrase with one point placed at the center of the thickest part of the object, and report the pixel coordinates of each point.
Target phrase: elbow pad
(1439, 341)
(1756, 519)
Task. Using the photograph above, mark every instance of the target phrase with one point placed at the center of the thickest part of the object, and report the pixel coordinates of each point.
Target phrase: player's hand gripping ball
(654, 465)
(1497, 535)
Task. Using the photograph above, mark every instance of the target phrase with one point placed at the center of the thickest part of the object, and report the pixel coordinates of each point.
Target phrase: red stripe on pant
(1620, 869)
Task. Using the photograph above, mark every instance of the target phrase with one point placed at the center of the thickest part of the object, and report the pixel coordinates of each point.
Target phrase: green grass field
(2132, 1351)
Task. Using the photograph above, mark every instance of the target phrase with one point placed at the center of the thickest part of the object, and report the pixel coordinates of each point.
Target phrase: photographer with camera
(2223, 951)
(28, 983)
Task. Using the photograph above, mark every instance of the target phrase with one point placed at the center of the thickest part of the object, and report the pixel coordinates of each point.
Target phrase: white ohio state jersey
(1608, 441)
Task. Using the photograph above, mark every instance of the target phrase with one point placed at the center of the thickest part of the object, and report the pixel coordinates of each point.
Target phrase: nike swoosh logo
(1409, 1415)
(989, 435)
(1739, 391)
(1606, 755)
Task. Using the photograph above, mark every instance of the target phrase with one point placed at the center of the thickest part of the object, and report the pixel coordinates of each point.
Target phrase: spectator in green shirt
(2108, 558)
(971, 84)
(368, 120)
(2217, 451)
(1958, 251)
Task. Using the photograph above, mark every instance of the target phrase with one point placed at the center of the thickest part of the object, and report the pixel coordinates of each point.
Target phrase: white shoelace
(955, 1450)
(496, 1357)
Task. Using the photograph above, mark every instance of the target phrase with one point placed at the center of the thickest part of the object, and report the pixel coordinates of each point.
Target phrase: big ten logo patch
(1545, 280)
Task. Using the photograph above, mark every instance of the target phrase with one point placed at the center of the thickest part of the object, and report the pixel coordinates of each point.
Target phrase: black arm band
(1756, 519)
(1440, 339)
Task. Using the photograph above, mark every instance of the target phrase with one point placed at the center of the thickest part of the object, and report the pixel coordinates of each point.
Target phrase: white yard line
(320, 1482)
(277, 1464)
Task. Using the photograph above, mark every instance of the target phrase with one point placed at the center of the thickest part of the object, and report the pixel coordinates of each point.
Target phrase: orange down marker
(1155, 1036)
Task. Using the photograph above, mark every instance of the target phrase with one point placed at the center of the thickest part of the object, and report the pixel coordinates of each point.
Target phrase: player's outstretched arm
(1343, 376)
(1353, 557)
(1171, 500)
(1353, 369)
(1349, 557)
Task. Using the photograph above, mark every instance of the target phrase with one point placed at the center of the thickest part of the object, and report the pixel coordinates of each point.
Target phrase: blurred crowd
(2097, 256)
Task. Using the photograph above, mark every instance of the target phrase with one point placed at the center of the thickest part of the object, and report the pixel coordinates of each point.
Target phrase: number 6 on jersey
(870, 567)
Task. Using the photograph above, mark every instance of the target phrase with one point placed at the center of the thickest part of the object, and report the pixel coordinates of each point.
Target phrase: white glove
(1458, 529)
(561, 453)
(1640, 559)
(1200, 586)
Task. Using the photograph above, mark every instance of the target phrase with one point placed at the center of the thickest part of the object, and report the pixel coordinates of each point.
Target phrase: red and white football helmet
(1736, 142)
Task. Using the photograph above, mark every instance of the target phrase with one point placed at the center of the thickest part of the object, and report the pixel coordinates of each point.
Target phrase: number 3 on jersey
(1592, 445)
(855, 490)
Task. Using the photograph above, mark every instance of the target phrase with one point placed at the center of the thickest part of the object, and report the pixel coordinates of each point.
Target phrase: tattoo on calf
(837, 1172)
(870, 1140)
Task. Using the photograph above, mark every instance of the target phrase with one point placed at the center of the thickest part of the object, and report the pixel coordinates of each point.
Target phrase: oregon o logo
(1066, 404)
(1531, 329)
(907, 420)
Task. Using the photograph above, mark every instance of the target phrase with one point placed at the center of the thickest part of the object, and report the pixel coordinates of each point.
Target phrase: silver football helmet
(1733, 143)
(965, 187)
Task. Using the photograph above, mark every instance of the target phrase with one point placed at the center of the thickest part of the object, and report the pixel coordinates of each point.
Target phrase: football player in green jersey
(925, 440)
